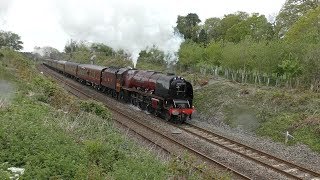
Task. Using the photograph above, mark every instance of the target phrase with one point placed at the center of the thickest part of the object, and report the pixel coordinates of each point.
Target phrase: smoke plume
(4, 6)
(128, 25)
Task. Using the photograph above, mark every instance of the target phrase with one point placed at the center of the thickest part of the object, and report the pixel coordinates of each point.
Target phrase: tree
(306, 29)
(192, 19)
(256, 27)
(48, 52)
(10, 40)
(211, 26)
(190, 54)
(71, 46)
(290, 12)
(99, 47)
(151, 55)
(203, 38)
(230, 20)
(188, 26)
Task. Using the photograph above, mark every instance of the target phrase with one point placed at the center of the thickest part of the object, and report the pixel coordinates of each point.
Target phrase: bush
(95, 107)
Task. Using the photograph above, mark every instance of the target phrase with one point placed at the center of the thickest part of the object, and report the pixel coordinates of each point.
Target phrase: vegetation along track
(279, 165)
(97, 96)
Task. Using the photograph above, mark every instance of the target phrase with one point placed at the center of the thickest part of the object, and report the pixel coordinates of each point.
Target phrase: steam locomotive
(165, 95)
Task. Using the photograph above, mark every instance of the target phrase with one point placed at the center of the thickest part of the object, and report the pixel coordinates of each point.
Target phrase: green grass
(51, 144)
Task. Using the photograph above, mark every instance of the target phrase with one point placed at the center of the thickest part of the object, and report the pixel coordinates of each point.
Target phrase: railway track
(279, 165)
(81, 92)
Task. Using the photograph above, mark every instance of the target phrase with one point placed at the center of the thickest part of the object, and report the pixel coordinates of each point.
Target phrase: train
(165, 95)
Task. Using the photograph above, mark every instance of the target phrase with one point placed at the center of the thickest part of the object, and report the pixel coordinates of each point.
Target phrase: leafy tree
(203, 38)
(255, 26)
(71, 46)
(230, 20)
(151, 55)
(211, 27)
(188, 26)
(290, 68)
(213, 54)
(291, 11)
(100, 47)
(306, 29)
(311, 67)
(48, 52)
(190, 54)
(192, 19)
(10, 40)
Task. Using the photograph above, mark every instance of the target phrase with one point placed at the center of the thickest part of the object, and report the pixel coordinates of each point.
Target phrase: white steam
(128, 25)
(4, 6)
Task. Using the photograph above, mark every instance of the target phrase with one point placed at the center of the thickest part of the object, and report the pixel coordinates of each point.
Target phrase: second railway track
(279, 165)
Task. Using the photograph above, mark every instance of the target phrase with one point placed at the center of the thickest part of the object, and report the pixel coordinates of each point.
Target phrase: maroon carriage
(112, 79)
(90, 74)
(54, 64)
(71, 68)
(109, 77)
(60, 66)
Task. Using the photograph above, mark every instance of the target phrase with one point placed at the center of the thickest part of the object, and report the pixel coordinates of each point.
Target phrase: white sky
(125, 24)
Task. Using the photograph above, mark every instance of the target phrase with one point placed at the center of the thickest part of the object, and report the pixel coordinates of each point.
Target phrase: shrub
(96, 108)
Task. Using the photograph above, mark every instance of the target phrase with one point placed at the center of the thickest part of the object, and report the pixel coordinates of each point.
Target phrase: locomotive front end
(181, 92)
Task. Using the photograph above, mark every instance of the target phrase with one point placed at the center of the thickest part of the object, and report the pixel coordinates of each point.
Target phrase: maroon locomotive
(165, 95)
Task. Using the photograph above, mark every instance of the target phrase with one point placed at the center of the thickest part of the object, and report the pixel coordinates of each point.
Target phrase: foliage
(275, 62)
(188, 26)
(151, 56)
(96, 108)
(10, 40)
(190, 53)
(97, 53)
(290, 13)
(203, 39)
(74, 46)
(306, 29)
(48, 52)
(289, 68)
(229, 21)
(256, 26)
(211, 26)
(49, 144)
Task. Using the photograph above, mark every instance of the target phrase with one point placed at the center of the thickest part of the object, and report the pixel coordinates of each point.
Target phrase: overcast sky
(126, 24)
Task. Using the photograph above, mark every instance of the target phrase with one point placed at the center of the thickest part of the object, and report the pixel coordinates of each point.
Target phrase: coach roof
(92, 66)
